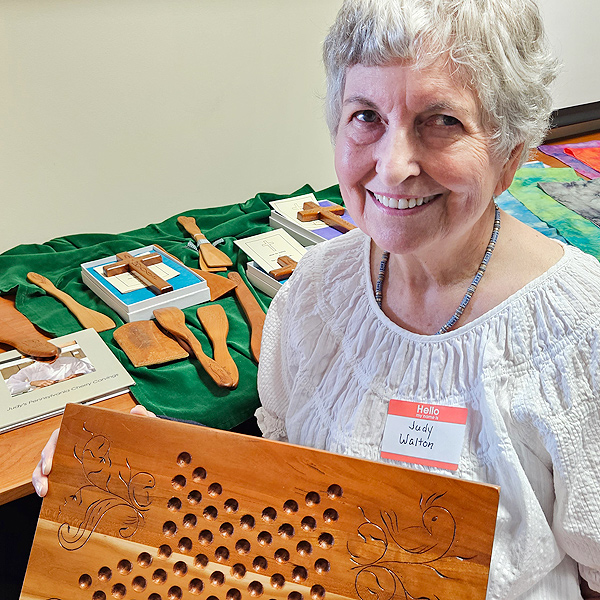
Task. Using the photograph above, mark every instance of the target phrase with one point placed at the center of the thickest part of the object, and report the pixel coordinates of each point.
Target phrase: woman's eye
(366, 116)
(445, 121)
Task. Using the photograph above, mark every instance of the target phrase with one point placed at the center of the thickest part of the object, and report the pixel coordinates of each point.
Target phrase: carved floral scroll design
(385, 549)
(112, 490)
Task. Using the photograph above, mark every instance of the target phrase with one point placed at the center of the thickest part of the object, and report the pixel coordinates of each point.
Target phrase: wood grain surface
(157, 510)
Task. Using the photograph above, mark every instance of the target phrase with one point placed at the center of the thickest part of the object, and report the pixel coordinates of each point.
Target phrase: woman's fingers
(138, 409)
(40, 482)
(43, 468)
(48, 453)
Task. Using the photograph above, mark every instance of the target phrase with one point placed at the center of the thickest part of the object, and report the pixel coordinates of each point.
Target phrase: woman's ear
(508, 170)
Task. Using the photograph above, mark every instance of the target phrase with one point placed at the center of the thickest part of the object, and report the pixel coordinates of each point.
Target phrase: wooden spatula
(173, 320)
(145, 344)
(90, 319)
(217, 285)
(215, 323)
(253, 311)
(212, 256)
(18, 331)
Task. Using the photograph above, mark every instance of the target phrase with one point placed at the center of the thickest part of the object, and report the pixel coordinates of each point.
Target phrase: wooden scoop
(173, 320)
(217, 285)
(90, 319)
(18, 331)
(215, 323)
(253, 311)
(211, 255)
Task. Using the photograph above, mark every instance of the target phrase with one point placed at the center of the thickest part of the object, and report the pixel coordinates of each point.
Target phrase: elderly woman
(441, 298)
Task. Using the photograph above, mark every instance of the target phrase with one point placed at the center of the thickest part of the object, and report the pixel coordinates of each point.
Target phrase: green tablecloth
(180, 389)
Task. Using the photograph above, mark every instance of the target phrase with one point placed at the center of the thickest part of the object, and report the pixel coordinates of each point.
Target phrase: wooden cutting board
(157, 510)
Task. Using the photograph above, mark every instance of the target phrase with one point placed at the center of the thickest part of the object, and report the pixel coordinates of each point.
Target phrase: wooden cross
(287, 267)
(328, 214)
(138, 265)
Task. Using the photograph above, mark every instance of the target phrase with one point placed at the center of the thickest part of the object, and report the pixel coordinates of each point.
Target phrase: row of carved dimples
(247, 523)
(304, 548)
(139, 583)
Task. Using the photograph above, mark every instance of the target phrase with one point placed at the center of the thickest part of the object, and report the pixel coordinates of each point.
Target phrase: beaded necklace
(470, 290)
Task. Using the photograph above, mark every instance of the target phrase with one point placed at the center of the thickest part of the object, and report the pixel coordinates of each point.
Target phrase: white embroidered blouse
(528, 371)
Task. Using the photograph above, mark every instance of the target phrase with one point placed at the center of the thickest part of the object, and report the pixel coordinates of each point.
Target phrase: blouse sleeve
(272, 387)
(572, 437)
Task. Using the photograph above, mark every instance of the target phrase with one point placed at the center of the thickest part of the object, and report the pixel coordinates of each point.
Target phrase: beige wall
(118, 113)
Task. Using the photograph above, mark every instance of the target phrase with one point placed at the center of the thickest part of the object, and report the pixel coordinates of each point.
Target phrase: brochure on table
(86, 371)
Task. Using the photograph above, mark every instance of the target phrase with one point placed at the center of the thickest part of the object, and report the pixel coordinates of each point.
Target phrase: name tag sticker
(424, 434)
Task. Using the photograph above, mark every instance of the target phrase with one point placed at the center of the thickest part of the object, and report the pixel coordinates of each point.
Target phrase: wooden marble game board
(147, 509)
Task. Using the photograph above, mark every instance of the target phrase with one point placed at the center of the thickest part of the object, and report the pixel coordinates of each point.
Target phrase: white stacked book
(284, 215)
(131, 299)
(264, 249)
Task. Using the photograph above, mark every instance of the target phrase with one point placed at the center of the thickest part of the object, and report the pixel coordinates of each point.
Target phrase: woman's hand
(41, 472)
(43, 468)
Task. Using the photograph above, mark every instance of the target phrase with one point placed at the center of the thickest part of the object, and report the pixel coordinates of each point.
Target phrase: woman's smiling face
(413, 159)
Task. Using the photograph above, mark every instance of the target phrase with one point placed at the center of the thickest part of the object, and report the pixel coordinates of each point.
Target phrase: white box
(191, 289)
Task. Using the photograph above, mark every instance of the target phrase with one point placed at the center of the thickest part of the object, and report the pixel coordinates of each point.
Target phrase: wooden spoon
(253, 311)
(18, 331)
(217, 285)
(173, 320)
(212, 256)
(90, 319)
(215, 323)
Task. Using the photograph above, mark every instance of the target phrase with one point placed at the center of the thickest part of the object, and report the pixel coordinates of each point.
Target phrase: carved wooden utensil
(90, 319)
(212, 256)
(253, 311)
(215, 323)
(173, 320)
(145, 344)
(18, 331)
(142, 508)
(218, 286)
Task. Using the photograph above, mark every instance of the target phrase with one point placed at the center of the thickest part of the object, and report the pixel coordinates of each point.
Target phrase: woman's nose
(397, 157)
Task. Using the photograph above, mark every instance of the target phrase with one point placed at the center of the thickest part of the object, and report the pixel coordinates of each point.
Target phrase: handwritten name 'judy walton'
(422, 440)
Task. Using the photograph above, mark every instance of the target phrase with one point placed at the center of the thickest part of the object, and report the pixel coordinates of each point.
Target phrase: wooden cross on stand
(287, 267)
(138, 266)
(328, 214)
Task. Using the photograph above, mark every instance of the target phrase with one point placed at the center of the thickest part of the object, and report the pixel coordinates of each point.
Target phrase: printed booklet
(86, 371)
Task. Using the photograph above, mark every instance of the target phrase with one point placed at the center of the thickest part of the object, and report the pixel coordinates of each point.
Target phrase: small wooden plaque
(157, 510)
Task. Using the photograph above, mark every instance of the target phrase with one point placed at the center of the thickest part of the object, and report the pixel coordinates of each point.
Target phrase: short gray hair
(498, 47)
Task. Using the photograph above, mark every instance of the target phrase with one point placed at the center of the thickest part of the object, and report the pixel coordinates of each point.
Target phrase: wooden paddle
(218, 286)
(253, 311)
(173, 320)
(145, 344)
(215, 323)
(18, 331)
(212, 256)
(90, 319)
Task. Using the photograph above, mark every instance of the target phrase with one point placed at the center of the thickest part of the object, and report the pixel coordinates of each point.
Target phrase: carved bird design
(414, 544)
(430, 540)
